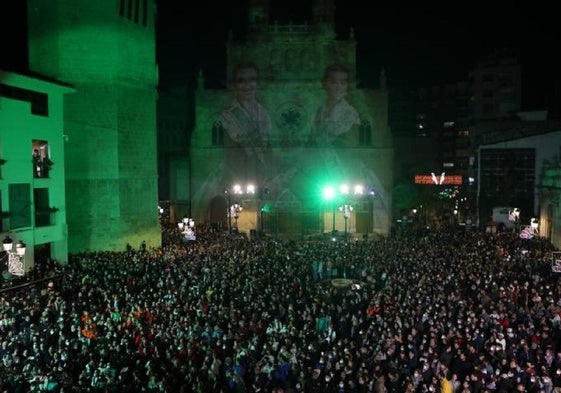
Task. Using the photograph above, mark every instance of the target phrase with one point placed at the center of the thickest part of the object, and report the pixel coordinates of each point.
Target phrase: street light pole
(15, 263)
(333, 208)
(346, 209)
(237, 208)
(329, 195)
(370, 226)
(229, 210)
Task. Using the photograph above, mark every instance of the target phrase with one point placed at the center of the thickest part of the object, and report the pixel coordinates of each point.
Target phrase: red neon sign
(443, 179)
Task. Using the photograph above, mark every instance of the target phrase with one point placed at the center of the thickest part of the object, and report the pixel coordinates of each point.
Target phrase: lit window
(40, 156)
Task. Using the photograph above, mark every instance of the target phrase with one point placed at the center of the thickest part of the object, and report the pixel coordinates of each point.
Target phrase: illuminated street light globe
(328, 193)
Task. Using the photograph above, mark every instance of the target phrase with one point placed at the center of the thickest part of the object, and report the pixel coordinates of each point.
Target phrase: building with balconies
(32, 176)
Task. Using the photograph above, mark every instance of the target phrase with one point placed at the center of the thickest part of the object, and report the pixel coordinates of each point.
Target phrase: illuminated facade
(509, 174)
(288, 166)
(550, 205)
(106, 50)
(32, 144)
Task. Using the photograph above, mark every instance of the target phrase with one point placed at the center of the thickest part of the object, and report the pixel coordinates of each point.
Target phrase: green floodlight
(328, 193)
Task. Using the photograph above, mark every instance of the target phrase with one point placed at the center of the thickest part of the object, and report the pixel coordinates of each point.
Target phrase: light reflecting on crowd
(460, 312)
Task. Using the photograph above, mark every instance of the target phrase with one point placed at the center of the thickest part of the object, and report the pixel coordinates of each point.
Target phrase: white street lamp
(235, 210)
(346, 209)
(15, 258)
(346, 192)
(187, 228)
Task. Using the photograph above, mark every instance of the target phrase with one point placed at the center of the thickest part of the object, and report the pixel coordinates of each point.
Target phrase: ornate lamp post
(15, 258)
(235, 210)
(346, 209)
(187, 228)
(228, 201)
(329, 195)
(351, 197)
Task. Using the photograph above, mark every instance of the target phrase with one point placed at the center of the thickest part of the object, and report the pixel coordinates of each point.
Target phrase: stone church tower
(106, 50)
(288, 162)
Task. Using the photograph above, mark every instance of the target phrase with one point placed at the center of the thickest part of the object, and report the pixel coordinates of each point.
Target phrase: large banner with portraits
(290, 142)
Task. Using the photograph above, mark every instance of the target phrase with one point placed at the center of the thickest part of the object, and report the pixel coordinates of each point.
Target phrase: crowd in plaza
(434, 312)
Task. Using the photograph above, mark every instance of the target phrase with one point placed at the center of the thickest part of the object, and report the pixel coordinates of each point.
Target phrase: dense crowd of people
(443, 312)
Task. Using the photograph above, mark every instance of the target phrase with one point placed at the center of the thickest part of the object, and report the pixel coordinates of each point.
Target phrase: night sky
(417, 44)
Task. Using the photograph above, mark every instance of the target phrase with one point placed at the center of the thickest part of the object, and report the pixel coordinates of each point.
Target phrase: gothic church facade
(290, 169)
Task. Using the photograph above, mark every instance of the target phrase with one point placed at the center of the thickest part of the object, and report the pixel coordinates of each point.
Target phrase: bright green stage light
(328, 192)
